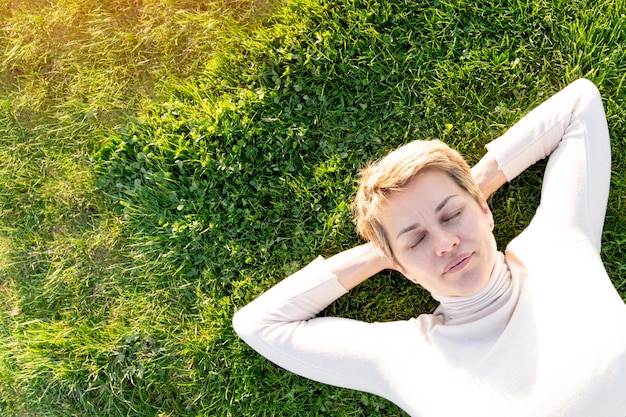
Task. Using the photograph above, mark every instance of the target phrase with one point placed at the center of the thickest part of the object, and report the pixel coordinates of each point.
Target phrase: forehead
(424, 189)
(421, 197)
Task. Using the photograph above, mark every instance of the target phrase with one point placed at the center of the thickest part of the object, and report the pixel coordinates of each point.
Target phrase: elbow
(243, 324)
(588, 86)
(249, 324)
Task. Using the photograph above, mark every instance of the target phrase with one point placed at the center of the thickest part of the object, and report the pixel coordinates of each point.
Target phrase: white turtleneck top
(545, 337)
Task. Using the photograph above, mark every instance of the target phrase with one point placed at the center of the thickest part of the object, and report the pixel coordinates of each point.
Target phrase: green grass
(164, 163)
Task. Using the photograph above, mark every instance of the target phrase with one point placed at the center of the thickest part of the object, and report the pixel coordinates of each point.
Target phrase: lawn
(164, 162)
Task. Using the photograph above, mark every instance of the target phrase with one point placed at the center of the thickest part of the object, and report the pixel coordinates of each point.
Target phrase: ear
(487, 213)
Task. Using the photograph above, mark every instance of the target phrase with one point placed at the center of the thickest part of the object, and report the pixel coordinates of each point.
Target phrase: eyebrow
(439, 207)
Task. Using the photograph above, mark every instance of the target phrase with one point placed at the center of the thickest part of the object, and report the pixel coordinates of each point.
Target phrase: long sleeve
(281, 325)
(571, 128)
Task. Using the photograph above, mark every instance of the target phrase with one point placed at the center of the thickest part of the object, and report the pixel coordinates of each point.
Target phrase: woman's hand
(488, 175)
(353, 266)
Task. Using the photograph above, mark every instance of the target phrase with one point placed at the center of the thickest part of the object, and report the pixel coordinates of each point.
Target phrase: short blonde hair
(392, 173)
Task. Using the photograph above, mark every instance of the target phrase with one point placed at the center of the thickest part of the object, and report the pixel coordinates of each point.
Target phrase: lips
(458, 263)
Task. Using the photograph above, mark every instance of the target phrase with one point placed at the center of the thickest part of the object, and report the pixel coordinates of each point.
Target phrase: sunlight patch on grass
(93, 56)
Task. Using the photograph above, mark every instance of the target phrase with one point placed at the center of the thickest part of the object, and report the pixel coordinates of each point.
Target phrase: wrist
(488, 176)
(378, 257)
(353, 266)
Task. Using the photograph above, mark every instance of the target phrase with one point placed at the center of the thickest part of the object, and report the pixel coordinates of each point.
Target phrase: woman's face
(441, 235)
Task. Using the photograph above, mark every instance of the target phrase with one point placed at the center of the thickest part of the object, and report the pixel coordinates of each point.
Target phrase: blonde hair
(392, 173)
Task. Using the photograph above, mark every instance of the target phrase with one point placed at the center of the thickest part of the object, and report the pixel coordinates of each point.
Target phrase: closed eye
(418, 240)
(452, 216)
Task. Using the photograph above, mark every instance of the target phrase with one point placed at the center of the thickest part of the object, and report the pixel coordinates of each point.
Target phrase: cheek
(415, 263)
(479, 223)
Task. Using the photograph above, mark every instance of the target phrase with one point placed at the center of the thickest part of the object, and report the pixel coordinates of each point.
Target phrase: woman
(536, 331)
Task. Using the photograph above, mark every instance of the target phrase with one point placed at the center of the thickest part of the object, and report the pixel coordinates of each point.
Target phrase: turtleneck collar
(468, 308)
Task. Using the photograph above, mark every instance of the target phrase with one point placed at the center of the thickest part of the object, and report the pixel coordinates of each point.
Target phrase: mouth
(458, 263)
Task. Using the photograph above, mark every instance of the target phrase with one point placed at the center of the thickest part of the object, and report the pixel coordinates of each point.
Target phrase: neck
(473, 307)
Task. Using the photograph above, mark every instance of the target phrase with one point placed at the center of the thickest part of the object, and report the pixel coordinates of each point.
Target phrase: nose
(444, 241)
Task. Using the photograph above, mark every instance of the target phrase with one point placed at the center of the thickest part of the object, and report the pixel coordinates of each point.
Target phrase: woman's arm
(281, 324)
(570, 127)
